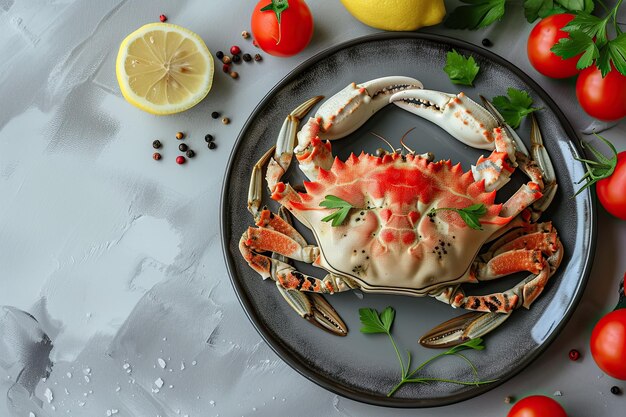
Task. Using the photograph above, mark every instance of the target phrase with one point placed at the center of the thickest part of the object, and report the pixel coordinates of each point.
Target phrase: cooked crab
(401, 231)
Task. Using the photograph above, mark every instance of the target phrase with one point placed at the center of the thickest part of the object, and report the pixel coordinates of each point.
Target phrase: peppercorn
(574, 355)
(219, 54)
(208, 138)
(226, 59)
(234, 74)
(380, 152)
(245, 34)
(156, 156)
(508, 399)
(247, 57)
(180, 135)
(255, 43)
(212, 145)
(258, 57)
(180, 160)
(235, 50)
(156, 144)
(486, 42)
(182, 147)
(226, 68)
(615, 390)
(190, 153)
(225, 120)
(236, 59)
(162, 18)
(215, 115)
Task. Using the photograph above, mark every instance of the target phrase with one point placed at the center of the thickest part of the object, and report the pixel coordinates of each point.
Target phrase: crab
(403, 232)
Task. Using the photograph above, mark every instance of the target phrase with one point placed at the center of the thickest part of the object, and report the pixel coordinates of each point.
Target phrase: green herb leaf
(591, 25)
(514, 107)
(277, 6)
(534, 9)
(373, 323)
(478, 14)
(470, 215)
(476, 344)
(342, 206)
(614, 51)
(460, 69)
(573, 5)
(601, 168)
(578, 42)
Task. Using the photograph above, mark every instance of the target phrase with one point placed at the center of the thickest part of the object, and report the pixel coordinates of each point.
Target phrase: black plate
(364, 367)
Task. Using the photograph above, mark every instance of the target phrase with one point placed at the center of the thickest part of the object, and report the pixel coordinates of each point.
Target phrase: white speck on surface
(171, 386)
(48, 394)
(194, 363)
(159, 383)
(87, 379)
(31, 414)
(161, 363)
(81, 404)
(66, 392)
(557, 393)
(69, 375)
(182, 366)
(165, 339)
(118, 389)
(126, 365)
(87, 371)
(212, 403)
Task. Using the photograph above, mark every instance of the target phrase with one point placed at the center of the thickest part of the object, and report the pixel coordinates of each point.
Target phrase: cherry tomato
(602, 98)
(537, 406)
(608, 344)
(291, 36)
(612, 190)
(544, 36)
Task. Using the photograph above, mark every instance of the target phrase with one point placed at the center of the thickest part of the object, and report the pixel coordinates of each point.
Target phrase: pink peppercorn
(162, 18)
(235, 50)
(574, 355)
(180, 160)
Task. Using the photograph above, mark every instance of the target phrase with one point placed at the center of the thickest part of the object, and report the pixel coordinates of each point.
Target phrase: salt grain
(161, 363)
(159, 383)
(48, 395)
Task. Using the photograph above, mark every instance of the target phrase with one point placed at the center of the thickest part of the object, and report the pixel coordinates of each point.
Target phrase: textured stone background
(118, 258)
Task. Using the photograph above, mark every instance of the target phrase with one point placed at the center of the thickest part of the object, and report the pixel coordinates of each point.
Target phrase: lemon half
(397, 15)
(164, 69)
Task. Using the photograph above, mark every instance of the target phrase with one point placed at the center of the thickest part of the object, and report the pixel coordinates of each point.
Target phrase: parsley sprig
(588, 35)
(342, 210)
(460, 69)
(601, 168)
(476, 14)
(375, 323)
(470, 215)
(514, 107)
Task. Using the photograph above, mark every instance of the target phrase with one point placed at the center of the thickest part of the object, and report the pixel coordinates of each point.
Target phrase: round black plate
(364, 367)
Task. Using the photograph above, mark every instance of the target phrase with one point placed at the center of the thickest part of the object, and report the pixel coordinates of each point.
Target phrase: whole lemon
(397, 15)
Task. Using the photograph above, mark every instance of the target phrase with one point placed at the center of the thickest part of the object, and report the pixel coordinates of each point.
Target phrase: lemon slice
(164, 68)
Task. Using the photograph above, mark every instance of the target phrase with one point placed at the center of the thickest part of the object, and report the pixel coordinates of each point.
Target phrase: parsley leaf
(614, 51)
(478, 14)
(534, 9)
(470, 215)
(342, 206)
(461, 70)
(590, 25)
(514, 107)
(577, 43)
(373, 323)
(601, 168)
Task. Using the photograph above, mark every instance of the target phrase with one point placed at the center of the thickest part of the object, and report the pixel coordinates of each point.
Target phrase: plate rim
(296, 362)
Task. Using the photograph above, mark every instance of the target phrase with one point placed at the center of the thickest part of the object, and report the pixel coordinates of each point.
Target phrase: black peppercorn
(208, 138)
(219, 54)
(190, 153)
(182, 147)
(156, 144)
(247, 57)
(236, 59)
(215, 115)
(615, 390)
(487, 42)
(212, 145)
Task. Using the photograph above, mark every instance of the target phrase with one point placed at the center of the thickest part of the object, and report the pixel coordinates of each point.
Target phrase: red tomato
(602, 98)
(544, 36)
(291, 36)
(608, 344)
(612, 190)
(537, 406)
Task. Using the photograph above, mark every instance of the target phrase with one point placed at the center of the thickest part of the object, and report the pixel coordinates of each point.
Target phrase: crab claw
(459, 115)
(315, 309)
(461, 329)
(351, 107)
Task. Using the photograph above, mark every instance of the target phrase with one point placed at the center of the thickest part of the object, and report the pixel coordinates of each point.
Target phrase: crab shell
(389, 243)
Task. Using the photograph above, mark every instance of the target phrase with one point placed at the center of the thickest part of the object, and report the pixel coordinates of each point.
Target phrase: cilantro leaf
(470, 215)
(478, 14)
(342, 206)
(514, 107)
(577, 43)
(591, 25)
(373, 323)
(461, 70)
(614, 51)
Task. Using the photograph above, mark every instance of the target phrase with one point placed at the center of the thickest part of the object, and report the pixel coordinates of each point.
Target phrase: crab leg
(543, 160)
